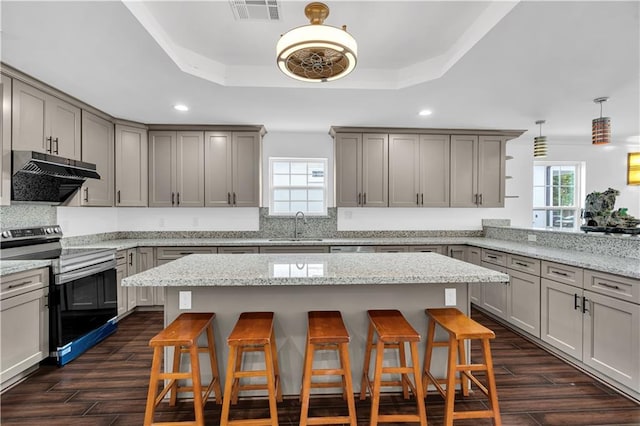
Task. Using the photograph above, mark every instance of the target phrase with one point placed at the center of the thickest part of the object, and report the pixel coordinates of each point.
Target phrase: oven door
(81, 302)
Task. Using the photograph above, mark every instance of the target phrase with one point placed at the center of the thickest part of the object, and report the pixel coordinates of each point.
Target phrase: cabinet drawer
(172, 253)
(612, 285)
(524, 264)
(121, 257)
(294, 249)
(237, 250)
(562, 273)
(392, 249)
(22, 282)
(494, 267)
(428, 249)
(495, 257)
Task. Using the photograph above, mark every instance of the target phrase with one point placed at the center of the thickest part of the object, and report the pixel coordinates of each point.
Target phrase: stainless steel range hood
(47, 178)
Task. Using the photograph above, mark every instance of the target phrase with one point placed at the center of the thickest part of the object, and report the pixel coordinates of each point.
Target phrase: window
(557, 194)
(298, 184)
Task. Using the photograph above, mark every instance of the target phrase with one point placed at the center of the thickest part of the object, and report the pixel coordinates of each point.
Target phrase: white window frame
(325, 187)
(578, 195)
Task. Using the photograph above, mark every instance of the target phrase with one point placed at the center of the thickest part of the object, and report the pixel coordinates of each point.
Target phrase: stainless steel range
(83, 299)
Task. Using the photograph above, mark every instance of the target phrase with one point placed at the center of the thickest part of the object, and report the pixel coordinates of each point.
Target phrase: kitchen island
(293, 284)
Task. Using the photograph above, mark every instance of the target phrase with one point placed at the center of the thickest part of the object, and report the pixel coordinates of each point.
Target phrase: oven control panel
(31, 233)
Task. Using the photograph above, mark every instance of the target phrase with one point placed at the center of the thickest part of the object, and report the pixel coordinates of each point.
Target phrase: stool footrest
(252, 373)
(328, 372)
(326, 385)
(482, 414)
(338, 420)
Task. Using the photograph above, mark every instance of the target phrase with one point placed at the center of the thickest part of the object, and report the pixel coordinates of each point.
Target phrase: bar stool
(183, 335)
(392, 330)
(326, 331)
(460, 328)
(252, 333)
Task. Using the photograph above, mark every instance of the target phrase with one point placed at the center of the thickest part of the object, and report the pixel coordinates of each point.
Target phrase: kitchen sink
(295, 239)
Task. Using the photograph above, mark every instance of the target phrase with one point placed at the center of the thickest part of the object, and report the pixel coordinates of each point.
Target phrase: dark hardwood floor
(108, 386)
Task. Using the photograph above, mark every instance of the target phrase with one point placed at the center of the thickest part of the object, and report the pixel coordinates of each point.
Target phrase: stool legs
(156, 364)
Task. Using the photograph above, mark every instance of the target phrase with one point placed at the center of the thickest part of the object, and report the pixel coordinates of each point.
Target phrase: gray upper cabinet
(176, 169)
(361, 170)
(5, 143)
(232, 169)
(419, 170)
(131, 166)
(477, 171)
(98, 148)
(44, 123)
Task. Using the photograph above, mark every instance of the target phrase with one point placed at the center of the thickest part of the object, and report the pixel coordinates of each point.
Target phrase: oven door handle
(84, 272)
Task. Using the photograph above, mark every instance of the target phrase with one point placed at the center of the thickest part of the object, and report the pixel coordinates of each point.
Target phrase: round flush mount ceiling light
(181, 107)
(425, 112)
(317, 52)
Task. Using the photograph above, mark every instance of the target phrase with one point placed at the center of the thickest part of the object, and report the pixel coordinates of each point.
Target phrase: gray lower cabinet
(474, 255)
(146, 296)
(126, 264)
(523, 301)
(494, 295)
(457, 252)
(392, 249)
(24, 323)
(561, 317)
(428, 249)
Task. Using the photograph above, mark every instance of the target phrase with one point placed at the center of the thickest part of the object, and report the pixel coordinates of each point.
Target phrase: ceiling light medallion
(601, 127)
(317, 52)
(540, 143)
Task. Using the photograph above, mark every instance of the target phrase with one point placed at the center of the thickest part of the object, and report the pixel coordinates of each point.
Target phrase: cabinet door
(246, 169)
(145, 295)
(29, 110)
(98, 148)
(434, 170)
(5, 142)
(162, 170)
(474, 255)
(491, 171)
(189, 169)
(123, 296)
(404, 171)
(612, 338)
(217, 169)
(494, 295)
(561, 317)
(65, 128)
(375, 170)
(523, 302)
(457, 252)
(464, 171)
(131, 166)
(348, 153)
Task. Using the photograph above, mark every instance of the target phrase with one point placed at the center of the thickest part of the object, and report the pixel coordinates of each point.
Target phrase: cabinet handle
(480, 198)
(130, 259)
(19, 284)
(46, 301)
(576, 302)
(50, 140)
(563, 274)
(521, 264)
(364, 198)
(184, 253)
(173, 198)
(228, 198)
(56, 141)
(422, 199)
(86, 194)
(613, 287)
(178, 198)
(584, 305)
(417, 199)
(234, 198)
(120, 257)
(492, 257)
(359, 198)
(118, 196)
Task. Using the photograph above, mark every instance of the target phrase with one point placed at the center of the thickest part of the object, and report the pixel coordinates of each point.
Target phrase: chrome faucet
(295, 229)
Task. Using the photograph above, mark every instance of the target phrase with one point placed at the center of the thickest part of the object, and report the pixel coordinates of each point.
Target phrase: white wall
(606, 167)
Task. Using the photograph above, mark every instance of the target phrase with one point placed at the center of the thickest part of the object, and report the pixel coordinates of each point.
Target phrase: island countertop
(229, 270)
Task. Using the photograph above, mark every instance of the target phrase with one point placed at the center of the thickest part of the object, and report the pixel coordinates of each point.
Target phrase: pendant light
(540, 143)
(601, 127)
(317, 52)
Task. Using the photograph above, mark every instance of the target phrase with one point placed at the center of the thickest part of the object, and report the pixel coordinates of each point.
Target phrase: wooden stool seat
(326, 331)
(253, 332)
(393, 331)
(182, 334)
(460, 327)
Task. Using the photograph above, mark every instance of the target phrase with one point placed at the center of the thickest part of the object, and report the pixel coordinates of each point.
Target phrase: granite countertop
(14, 266)
(628, 267)
(313, 269)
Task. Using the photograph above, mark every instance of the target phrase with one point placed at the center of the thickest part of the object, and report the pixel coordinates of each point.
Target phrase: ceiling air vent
(256, 10)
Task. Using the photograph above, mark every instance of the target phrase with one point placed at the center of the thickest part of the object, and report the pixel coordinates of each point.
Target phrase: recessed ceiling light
(181, 107)
(425, 112)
